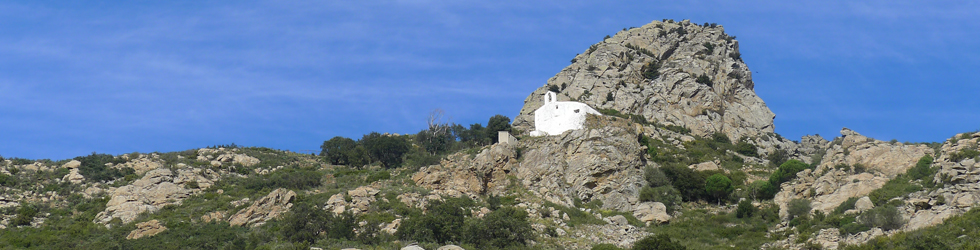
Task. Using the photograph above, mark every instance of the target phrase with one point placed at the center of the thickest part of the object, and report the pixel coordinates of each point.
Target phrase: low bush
(667, 195)
(846, 205)
(884, 217)
(798, 208)
(657, 242)
(745, 209)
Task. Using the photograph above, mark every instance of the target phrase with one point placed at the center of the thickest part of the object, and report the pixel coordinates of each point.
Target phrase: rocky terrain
(685, 154)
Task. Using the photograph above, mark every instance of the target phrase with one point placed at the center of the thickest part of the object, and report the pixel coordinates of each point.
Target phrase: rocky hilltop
(673, 73)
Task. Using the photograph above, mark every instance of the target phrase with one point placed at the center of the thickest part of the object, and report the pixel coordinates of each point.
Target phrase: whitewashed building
(554, 117)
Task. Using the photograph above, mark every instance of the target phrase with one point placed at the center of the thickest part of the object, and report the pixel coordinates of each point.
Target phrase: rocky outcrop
(654, 71)
(146, 229)
(360, 200)
(222, 156)
(959, 176)
(602, 162)
(148, 194)
(888, 158)
(158, 188)
(840, 175)
(827, 191)
(460, 173)
(271, 206)
(141, 164)
(73, 175)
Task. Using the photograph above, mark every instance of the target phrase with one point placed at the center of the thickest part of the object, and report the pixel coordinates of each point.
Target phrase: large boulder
(652, 212)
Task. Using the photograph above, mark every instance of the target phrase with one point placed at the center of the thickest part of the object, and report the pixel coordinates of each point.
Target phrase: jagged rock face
(827, 191)
(610, 76)
(271, 206)
(460, 173)
(828, 187)
(960, 177)
(601, 162)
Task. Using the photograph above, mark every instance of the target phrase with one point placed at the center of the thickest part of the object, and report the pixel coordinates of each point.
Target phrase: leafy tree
(497, 123)
(358, 157)
(387, 149)
(718, 186)
(658, 242)
(437, 139)
(337, 150)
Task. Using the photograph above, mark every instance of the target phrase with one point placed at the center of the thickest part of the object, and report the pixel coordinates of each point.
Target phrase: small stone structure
(504, 137)
(554, 117)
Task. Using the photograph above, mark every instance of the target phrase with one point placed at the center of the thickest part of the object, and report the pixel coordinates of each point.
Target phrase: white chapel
(554, 117)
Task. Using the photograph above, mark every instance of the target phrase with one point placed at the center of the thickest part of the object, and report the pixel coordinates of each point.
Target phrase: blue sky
(123, 76)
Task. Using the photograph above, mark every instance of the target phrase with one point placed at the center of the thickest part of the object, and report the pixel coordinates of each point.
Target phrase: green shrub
(965, 153)
(922, 169)
(658, 242)
(504, 227)
(25, 215)
(703, 79)
(745, 209)
(655, 177)
(650, 70)
(605, 246)
(798, 208)
(94, 168)
(554, 88)
(443, 223)
(763, 190)
(667, 195)
(846, 205)
(746, 149)
(897, 187)
(7, 180)
(778, 157)
(379, 175)
(387, 149)
(884, 217)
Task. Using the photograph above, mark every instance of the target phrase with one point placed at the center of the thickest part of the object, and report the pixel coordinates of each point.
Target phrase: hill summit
(672, 73)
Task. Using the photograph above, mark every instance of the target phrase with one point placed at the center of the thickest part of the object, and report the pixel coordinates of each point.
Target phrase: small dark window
(576, 111)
